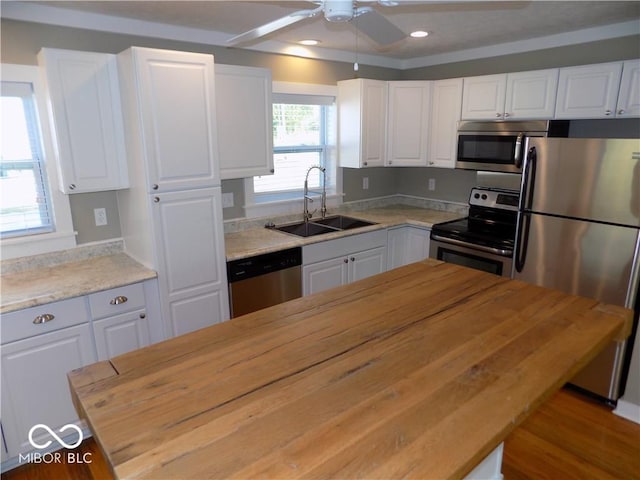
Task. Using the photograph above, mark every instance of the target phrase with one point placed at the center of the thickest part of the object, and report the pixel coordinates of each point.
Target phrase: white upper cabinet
(175, 95)
(531, 95)
(243, 107)
(84, 100)
(483, 97)
(362, 115)
(513, 96)
(446, 105)
(629, 95)
(408, 123)
(589, 91)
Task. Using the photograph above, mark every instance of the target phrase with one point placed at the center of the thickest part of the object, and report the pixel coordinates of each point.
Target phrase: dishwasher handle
(250, 267)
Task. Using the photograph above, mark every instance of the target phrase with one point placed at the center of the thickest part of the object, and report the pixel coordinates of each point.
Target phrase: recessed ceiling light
(309, 42)
(419, 34)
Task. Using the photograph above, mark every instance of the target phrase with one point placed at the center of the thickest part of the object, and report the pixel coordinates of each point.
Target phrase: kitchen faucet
(323, 209)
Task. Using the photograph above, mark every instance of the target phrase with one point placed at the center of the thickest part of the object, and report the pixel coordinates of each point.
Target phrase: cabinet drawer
(52, 316)
(317, 252)
(116, 301)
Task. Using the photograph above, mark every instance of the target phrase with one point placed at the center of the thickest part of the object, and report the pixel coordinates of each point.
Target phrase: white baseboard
(628, 410)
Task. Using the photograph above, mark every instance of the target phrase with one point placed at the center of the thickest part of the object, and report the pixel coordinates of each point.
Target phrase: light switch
(100, 216)
(227, 200)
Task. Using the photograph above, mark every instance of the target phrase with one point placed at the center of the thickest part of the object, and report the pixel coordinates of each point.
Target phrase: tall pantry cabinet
(171, 216)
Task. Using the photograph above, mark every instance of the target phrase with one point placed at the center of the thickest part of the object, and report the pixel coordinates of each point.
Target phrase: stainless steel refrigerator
(579, 232)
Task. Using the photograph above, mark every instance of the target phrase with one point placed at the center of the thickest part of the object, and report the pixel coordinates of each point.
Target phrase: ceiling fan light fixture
(309, 42)
(419, 34)
(338, 10)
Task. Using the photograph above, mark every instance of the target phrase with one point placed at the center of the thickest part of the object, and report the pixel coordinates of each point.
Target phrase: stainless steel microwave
(500, 146)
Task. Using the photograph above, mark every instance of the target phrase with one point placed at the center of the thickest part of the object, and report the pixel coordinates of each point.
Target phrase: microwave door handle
(517, 156)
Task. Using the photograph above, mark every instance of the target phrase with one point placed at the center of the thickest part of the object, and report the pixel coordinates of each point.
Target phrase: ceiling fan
(371, 23)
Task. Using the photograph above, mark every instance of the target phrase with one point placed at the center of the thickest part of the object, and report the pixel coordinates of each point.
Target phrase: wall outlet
(432, 184)
(227, 200)
(365, 183)
(100, 215)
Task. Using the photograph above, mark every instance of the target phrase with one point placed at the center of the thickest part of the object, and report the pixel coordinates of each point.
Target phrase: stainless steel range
(485, 239)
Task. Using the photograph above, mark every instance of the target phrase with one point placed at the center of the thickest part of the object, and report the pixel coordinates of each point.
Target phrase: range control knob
(484, 196)
(476, 196)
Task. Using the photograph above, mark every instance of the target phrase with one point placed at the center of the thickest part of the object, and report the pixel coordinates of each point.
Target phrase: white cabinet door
(531, 95)
(362, 114)
(35, 389)
(408, 123)
(589, 91)
(175, 93)
(244, 118)
(121, 334)
(84, 96)
(324, 275)
(367, 263)
(190, 251)
(446, 108)
(407, 245)
(483, 97)
(629, 94)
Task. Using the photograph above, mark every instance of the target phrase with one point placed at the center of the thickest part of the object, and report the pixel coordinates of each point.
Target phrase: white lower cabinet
(40, 345)
(344, 260)
(120, 322)
(34, 373)
(406, 245)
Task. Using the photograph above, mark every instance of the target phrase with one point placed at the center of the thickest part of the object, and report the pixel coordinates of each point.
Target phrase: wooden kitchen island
(419, 372)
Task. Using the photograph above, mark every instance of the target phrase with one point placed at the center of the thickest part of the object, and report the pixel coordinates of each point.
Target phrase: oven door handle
(482, 248)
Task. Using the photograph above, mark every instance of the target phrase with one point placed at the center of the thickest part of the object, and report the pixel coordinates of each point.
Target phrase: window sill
(37, 244)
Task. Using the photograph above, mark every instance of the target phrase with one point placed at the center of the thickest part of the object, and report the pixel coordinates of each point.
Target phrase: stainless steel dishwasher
(264, 280)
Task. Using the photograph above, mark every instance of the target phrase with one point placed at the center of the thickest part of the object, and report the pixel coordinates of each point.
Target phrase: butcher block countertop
(419, 372)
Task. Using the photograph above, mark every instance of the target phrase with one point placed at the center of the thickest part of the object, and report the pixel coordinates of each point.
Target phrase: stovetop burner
(491, 221)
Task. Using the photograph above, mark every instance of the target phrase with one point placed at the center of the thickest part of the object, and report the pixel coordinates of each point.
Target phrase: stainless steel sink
(343, 223)
(320, 226)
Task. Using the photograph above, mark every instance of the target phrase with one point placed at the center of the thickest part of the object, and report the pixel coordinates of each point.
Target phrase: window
(24, 199)
(34, 218)
(304, 131)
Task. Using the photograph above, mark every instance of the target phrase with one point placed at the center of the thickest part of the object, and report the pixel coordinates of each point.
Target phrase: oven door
(480, 258)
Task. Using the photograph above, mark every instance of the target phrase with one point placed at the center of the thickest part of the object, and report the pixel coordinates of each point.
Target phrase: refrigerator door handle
(522, 241)
(524, 224)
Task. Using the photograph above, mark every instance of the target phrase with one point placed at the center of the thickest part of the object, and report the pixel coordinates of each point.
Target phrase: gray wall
(21, 41)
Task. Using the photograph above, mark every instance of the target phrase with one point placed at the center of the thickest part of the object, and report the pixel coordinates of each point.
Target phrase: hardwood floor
(569, 437)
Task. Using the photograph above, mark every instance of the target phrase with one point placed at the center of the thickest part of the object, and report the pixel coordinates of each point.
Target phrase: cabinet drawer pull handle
(72, 186)
(44, 318)
(118, 300)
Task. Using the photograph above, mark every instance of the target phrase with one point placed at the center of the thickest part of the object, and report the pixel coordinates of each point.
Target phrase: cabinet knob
(272, 170)
(352, 259)
(506, 115)
(365, 164)
(44, 318)
(432, 162)
(143, 315)
(346, 260)
(119, 300)
(154, 186)
(607, 112)
(621, 111)
(72, 186)
(498, 115)
(156, 199)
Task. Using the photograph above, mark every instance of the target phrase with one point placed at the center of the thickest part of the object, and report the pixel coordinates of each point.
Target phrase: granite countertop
(259, 240)
(45, 284)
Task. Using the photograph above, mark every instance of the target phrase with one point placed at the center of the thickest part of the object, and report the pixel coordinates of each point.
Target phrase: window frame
(63, 237)
(272, 204)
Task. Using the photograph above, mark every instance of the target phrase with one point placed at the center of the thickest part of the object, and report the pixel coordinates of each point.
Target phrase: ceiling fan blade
(273, 26)
(378, 28)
